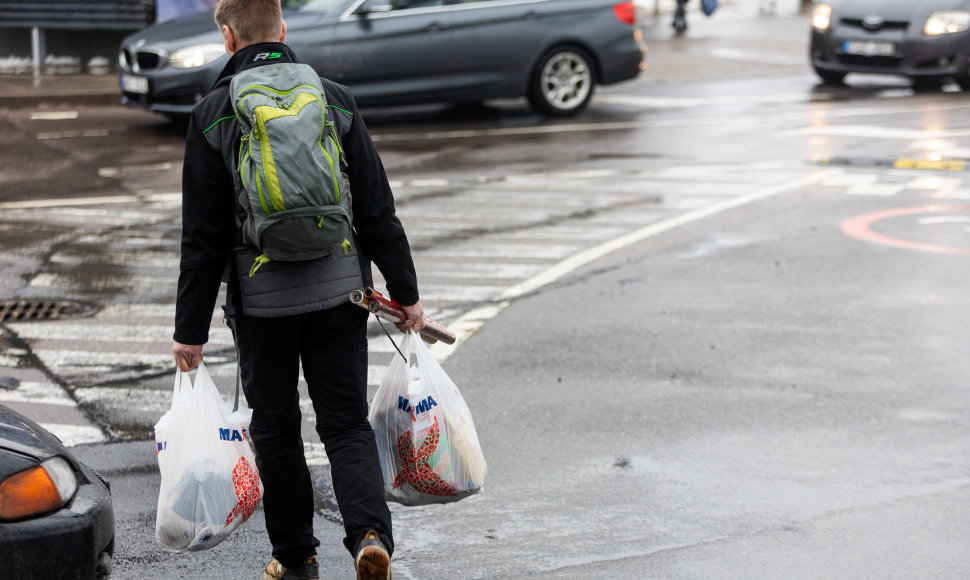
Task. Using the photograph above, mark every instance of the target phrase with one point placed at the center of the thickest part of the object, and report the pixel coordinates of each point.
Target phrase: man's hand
(415, 318)
(187, 356)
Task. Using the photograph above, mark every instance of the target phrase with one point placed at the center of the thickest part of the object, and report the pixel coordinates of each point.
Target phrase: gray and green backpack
(295, 198)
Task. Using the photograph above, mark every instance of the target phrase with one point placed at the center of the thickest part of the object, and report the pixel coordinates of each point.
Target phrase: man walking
(290, 314)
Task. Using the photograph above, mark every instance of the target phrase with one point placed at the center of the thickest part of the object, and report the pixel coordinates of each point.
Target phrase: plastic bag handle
(181, 380)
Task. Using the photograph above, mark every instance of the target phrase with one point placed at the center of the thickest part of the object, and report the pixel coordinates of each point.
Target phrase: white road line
(36, 392)
(100, 200)
(139, 312)
(877, 132)
(849, 179)
(315, 453)
(135, 284)
(753, 56)
(588, 174)
(680, 102)
(94, 362)
(951, 194)
(159, 261)
(100, 332)
(875, 189)
(929, 221)
(72, 435)
(53, 115)
(133, 400)
(429, 182)
(934, 182)
(73, 134)
(127, 170)
(508, 252)
(458, 293)
(871, 131)
(472, 270)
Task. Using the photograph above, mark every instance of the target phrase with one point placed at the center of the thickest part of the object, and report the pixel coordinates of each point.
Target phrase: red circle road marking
(860, 227)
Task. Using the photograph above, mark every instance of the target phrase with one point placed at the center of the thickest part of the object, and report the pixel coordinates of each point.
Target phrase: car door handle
(436, 27)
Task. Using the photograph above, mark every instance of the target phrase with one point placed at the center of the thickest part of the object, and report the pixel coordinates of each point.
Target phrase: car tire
(962, 78)
(927, 83)
(830, 77)
(563, 82)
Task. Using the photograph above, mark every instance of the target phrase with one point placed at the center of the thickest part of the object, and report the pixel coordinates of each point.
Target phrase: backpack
(293, 192)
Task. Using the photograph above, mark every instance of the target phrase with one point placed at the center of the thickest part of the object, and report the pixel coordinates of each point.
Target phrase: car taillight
(625, 12)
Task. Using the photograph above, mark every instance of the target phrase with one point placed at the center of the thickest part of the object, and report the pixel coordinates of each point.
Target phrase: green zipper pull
(260, 260)
(346, 246)
(320, 222)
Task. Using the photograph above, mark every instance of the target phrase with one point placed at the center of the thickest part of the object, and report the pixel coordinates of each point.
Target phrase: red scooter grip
(391, 311)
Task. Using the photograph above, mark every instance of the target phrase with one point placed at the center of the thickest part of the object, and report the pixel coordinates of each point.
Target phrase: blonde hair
(251, 21)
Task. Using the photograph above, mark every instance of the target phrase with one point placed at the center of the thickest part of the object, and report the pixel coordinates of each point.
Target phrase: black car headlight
(196, 56)
(43, 488)
(822, 17)
(946, 22)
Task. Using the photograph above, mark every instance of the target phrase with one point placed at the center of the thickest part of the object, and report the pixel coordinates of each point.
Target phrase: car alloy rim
(566, 80)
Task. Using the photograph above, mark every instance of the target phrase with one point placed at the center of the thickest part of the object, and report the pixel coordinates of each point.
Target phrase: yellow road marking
(930, 164)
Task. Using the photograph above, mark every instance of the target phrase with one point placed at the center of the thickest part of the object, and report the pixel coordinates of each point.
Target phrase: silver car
(401, 52)
(927, 41)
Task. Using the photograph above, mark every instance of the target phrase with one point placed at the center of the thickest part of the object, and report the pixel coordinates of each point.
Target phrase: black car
(926, 41)
(56, 515)
(402, 52)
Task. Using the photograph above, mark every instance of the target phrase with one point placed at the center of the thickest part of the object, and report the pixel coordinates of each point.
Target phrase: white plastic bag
(209, 481)
(426, 438)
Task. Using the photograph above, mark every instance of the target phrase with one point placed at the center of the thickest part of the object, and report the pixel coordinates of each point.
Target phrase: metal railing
(84, 15)
(78, 15)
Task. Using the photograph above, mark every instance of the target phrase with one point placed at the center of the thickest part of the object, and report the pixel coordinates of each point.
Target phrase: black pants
(332, 345)
(680, 12)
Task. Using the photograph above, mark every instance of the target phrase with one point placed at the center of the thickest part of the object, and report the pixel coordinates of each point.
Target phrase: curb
(25, 90)
(27, 100)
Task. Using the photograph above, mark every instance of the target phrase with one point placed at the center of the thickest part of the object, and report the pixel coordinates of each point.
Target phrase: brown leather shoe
(372, 561)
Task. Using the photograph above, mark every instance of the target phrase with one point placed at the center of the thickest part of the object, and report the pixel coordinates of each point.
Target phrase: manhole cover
(26, 310)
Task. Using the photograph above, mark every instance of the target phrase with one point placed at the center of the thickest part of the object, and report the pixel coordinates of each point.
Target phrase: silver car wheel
(566, 81)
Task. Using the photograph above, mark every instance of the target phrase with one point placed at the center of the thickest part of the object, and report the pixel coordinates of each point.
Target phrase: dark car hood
(200, 24)
(20, 434)
(897, 9)
(200, 28)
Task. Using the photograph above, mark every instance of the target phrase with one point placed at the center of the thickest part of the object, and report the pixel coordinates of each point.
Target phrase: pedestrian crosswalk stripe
(95, 332)
(72, 435)
(874, 189)
(36, 392)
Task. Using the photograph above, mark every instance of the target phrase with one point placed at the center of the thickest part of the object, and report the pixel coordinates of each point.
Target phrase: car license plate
(133, 84)
(869, 47)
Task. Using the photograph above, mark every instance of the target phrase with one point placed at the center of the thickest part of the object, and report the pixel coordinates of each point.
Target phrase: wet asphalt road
(766, 379)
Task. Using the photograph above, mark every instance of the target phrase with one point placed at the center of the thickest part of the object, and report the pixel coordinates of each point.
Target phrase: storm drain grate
(26, 310)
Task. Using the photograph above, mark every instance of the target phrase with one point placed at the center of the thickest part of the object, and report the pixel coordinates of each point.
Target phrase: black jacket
(209, 229)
